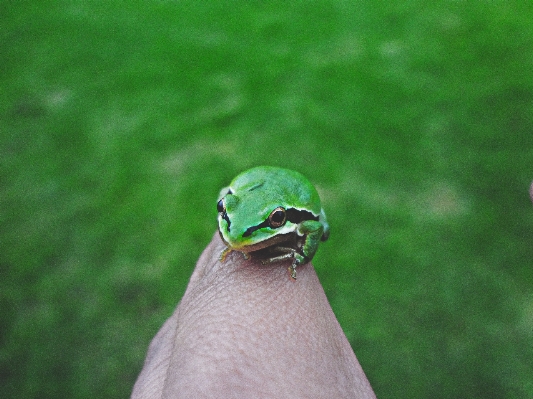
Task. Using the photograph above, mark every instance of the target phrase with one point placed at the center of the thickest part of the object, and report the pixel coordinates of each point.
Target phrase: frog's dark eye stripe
(221, 208)
(250, 230)
(226, 218)
(296, 216)
(277, 219)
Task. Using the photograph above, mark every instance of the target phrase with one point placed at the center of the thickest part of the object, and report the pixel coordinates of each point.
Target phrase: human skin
(248, 330)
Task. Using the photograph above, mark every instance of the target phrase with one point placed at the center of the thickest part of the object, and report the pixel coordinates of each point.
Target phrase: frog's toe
(292, 271)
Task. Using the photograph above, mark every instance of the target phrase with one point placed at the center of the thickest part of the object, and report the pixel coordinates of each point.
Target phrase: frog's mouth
(268, 242)
(273, 242)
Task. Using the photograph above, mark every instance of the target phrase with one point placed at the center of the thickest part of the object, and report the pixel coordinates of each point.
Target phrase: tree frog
(274, 208)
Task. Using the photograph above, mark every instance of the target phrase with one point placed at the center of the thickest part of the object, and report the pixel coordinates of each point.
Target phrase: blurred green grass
(120, 122)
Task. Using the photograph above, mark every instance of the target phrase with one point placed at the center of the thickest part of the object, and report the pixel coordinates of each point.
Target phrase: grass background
(121, 121)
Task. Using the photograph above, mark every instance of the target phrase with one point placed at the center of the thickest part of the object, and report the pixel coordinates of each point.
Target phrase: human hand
(248, 330)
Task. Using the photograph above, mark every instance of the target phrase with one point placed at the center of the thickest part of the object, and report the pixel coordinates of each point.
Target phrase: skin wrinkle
(245, 330)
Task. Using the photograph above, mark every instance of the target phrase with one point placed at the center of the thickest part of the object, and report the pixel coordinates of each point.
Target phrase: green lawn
(121, 121)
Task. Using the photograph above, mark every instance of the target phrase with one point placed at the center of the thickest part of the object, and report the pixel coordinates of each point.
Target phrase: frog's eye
(221, 207)
(277, 217)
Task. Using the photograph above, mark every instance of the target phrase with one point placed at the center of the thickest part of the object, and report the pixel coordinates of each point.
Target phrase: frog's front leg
(225, 253)
(228, 250)
(291, 254)
(288, 253)
(312, 231)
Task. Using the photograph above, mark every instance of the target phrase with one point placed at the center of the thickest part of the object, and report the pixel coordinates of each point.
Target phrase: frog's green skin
(275, 208)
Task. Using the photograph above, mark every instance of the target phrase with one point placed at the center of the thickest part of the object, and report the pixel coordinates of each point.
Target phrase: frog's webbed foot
(292, 271)
(298, 260)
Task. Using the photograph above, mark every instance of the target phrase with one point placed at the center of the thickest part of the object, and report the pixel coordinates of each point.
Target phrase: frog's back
(279, 184)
